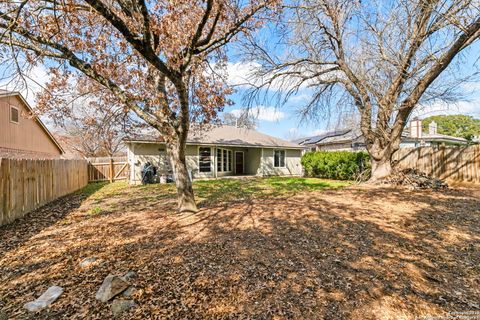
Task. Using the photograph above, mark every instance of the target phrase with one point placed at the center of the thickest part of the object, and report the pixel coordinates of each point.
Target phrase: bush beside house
(341, 165)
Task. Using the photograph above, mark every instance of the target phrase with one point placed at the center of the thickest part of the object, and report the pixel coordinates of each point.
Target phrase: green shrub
(340, 165)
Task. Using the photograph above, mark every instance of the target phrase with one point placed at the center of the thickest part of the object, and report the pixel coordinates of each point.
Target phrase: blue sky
(284, 122)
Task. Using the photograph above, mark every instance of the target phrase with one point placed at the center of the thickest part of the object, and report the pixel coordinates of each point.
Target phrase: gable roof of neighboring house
(223, 135)
(331, 137)
(5, 93)
(350, 135)
(437, 137)
(316, 139)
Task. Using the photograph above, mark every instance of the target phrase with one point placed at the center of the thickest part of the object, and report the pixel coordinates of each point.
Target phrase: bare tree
(150, 57)
(242, 120)
(93, 129)
(383, 57)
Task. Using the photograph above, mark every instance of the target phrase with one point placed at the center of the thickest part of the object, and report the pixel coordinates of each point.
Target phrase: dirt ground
(360, 252)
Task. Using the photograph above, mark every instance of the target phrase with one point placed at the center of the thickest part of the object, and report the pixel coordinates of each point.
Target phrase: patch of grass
(209, 191)
(91, 188)
(282, 184)
(224, 190)
(107, 190)
(95, 210)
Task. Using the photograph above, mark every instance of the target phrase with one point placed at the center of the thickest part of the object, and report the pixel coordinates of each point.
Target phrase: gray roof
(347, 136)
(223, 135)
(351, 135)
(436, 137)
(329, 137)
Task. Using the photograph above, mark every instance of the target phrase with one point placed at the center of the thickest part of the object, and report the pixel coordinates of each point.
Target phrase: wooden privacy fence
(107, 169)
(28, 184)
(453, 163)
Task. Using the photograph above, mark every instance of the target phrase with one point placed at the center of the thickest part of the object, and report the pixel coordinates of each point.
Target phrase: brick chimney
(432, 128)
(416, 128)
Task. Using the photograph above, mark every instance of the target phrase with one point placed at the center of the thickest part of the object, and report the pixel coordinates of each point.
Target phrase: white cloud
(262, 113)
(441, 108)
(241, 74)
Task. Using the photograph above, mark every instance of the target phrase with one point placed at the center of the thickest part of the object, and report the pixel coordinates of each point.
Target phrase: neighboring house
(415, 137)
(219, 151)
(352, 139)
(21, 134)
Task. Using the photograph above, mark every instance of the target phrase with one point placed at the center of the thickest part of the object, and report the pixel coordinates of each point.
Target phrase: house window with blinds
(204, 159)
(279, 158)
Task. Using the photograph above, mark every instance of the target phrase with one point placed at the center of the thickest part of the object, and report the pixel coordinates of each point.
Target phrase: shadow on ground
(355, 253)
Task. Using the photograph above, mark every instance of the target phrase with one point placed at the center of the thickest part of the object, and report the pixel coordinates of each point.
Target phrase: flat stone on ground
(111, 286)
(47, 298)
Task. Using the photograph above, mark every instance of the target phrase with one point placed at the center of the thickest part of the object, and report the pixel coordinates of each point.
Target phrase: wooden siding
(460, 164)
(28, 184)
(26, 135)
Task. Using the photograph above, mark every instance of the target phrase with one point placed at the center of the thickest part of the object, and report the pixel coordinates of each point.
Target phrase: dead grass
(257, 249)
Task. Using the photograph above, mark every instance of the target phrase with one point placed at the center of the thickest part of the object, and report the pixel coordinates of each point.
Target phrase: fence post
(112, 170)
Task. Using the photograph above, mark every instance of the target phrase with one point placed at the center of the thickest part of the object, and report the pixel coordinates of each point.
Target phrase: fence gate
(107, 169)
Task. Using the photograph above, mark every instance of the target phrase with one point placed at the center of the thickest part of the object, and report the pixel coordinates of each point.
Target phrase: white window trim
(18, 111)
(219, 161)
(284, 158)
(198, 160)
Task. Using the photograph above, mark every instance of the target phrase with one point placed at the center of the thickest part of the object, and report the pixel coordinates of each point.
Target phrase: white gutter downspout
(215, 162)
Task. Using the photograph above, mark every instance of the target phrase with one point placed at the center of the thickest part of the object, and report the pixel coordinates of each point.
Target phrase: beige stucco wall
(258, 161)
(292, 163)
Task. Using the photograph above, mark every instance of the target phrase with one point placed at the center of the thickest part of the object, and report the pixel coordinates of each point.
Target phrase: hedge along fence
(28, 184)
(340, 165)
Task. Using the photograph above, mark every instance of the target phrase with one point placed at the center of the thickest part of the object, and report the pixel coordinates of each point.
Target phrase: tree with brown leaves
(382, 57)
(158, 59)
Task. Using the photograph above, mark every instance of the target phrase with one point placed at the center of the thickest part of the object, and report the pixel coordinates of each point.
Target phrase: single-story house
(352, 139)
(218, 151)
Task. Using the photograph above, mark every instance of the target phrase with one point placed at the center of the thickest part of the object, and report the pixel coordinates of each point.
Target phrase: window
(279, 158)
(230, 160)
(224, 160)
(219, 160)
(13, 114)
(204, 160)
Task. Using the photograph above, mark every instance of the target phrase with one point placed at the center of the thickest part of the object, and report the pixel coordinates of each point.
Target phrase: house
(415, 137)
(21, 134)
(219, 151)
(352, 139)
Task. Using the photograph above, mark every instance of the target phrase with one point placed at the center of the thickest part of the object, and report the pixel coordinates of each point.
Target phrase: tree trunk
(380, 168)
(185, 196)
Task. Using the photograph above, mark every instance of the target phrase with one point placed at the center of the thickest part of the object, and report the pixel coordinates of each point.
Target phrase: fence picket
(28, 184)
(460, 164)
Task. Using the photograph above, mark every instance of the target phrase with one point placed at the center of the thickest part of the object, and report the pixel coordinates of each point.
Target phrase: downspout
(215, 162)
(261, 164)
